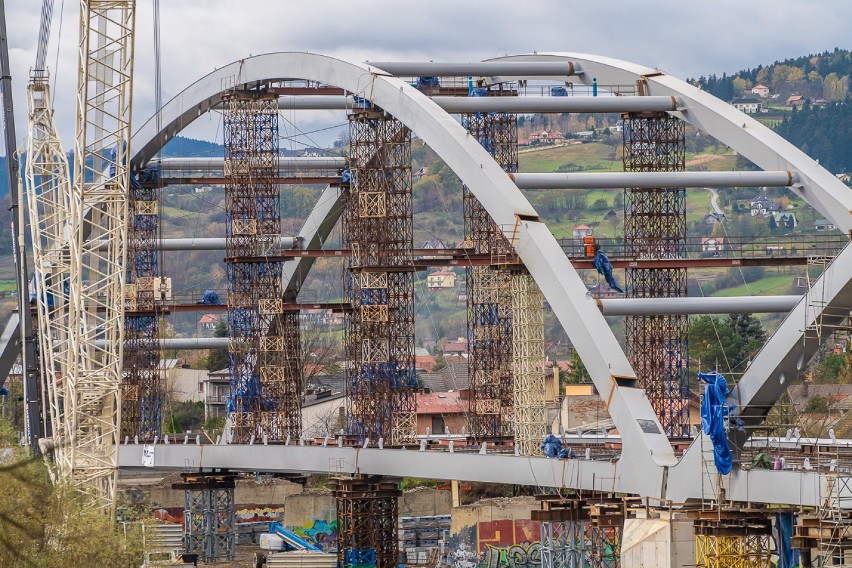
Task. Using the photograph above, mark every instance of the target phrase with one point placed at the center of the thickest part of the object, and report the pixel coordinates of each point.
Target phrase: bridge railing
(733, 247)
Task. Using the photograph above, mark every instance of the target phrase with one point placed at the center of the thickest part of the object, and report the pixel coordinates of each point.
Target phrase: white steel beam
(694, 306)
(559, 68)
(652, 180)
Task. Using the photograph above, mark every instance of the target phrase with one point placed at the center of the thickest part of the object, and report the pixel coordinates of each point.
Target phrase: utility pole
(29, 363)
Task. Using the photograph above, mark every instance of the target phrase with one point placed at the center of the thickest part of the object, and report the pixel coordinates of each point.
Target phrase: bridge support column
(209, 525)
(604, 531)
(367, 520)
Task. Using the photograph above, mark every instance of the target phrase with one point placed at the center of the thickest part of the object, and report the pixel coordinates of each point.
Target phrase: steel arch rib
(644, 445)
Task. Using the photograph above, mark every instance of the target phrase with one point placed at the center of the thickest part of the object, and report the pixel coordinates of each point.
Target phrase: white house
(824, 225)
(712, 246)
(748, 106)
(763, 206)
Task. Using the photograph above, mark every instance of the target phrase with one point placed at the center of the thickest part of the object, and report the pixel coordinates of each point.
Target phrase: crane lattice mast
(98, 213)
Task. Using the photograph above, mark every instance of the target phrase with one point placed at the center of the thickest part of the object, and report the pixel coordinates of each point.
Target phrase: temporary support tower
(505, 311)
(655, 228)
(604, 530)
(264, 343)
(733, 540)
(378, 227)
(564, 522)
(97, 213)
(142, 392)
(489, 289)
(367, 517)
(209, 527)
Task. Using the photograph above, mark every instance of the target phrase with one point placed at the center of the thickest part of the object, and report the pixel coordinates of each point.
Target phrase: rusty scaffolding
(263, 350)
(378, 227)
(367, 517)
(655, 228)
(489, 301)
(142, 392)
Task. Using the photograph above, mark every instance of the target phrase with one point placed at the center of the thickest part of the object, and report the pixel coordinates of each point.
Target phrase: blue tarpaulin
(210, 298)
(552, 448)
(788, 557)
(604, 266)
(714, 411)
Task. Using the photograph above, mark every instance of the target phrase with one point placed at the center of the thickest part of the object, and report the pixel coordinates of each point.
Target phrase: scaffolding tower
(378, 227)
(263, 344)
(367, 518)
(142, 392)
(655, 228)
(209, 521)
(732, 540)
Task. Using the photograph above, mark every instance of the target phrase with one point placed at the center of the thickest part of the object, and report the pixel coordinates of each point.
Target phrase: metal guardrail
(714, 247)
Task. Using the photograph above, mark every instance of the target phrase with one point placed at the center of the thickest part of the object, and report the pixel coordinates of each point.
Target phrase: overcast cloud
(687, 38)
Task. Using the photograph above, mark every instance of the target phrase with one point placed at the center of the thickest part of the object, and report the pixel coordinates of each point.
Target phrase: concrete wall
(661, 542)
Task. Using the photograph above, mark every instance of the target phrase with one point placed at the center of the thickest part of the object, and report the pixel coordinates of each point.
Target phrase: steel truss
(367, 517)
(98, 212)
(655, 228)
(378, 227)
(48, 191)
(142, 389)
(489, 296)
(736, 542)
(209, 525)
(263, 342)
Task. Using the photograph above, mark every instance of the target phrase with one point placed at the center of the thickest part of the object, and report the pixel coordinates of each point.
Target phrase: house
(712, 219)
(432, 244)
(785, 220)
(845, 178)
(761, 91)
(545, 138)
(581, 231)
(441, 280)
(748, 106)
(712, 246)
(313, 153)
(323, 412)
(763, 206)
(456, 347)
(424, 363)
(824, 225)
(216, 390)
(452, 377)
(796, 101)
(208, 322)
(601, 290)
(441, 413)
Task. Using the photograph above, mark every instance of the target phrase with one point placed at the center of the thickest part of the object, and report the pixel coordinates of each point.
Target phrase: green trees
(45, 525)
(218, 358)
(577, 372)
(725, 344)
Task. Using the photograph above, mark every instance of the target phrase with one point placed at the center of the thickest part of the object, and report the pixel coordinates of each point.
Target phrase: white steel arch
(644, 445)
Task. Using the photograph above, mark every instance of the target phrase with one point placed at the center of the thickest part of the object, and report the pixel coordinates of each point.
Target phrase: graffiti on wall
(524, 555)
(320, 532)
(497, 544)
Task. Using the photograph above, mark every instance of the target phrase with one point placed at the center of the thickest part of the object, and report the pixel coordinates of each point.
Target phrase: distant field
(7, 285)
(769, 286)
(592, 156)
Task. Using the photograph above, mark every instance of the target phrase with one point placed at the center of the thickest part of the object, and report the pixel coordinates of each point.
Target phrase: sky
(686, 38)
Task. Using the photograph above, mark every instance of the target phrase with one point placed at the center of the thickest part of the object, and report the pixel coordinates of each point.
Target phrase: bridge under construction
(97, 390)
